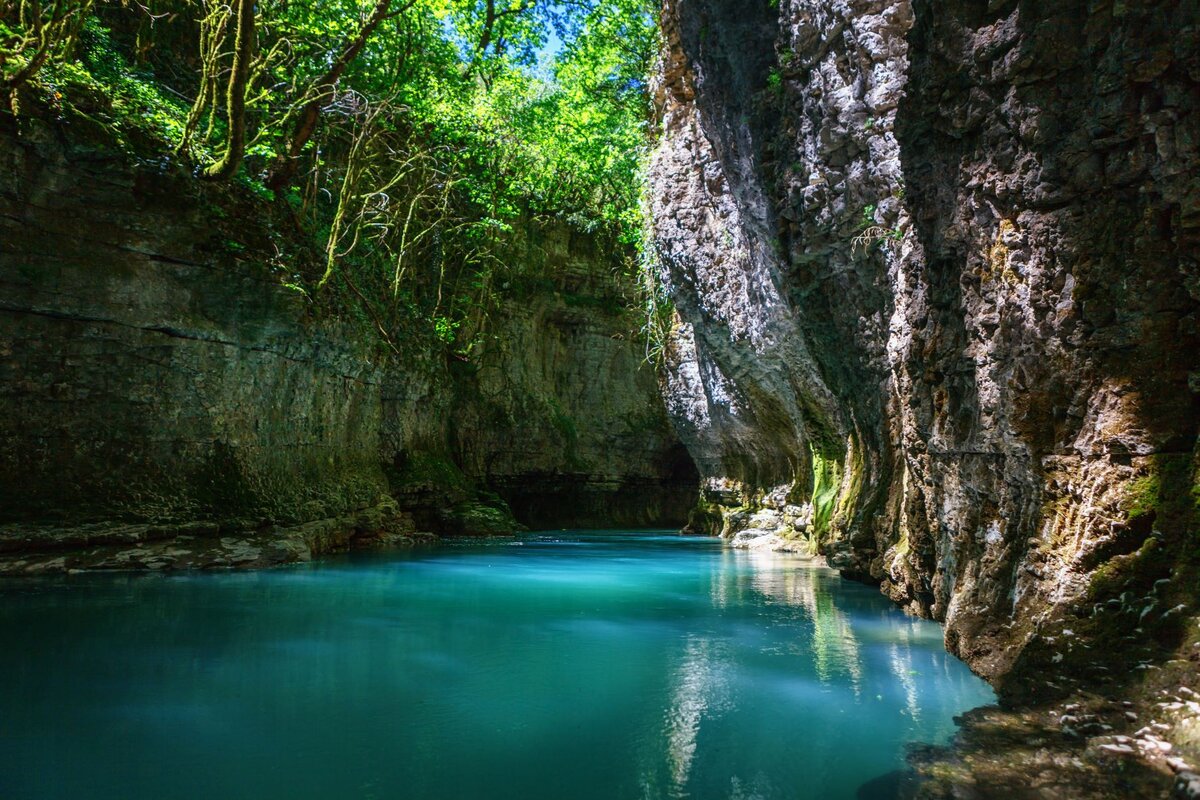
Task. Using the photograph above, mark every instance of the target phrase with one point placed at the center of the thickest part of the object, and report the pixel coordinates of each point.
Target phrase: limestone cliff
(935, 272)
(168, 402)
(557, 411)
(560, 412)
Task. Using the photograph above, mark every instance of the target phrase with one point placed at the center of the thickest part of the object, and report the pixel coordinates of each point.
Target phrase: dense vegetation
(405, 138)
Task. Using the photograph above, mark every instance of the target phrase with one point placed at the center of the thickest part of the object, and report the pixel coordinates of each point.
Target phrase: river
(566, 666)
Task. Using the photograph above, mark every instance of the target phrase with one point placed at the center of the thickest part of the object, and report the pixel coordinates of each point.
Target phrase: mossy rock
(706, 519)
(426, 470)
(474, 518)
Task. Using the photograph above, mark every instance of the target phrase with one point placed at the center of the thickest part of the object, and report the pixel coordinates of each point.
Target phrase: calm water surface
(568, 666)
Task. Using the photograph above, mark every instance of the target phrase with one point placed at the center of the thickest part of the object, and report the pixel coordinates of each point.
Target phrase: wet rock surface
(1111, 739)
(42, 549)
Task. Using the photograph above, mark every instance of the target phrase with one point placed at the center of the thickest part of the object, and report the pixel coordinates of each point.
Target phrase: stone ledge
(30, 550)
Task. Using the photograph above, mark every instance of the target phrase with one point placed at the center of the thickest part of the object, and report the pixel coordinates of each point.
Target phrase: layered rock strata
(168, 402)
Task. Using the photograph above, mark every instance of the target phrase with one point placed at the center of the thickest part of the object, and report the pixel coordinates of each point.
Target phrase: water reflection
(821, 632)
(581, 666)
(700, 690)
(802, 584)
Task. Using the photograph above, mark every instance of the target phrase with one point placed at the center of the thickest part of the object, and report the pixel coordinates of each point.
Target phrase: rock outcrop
(937, 293)
(153, 369)
(168, 402)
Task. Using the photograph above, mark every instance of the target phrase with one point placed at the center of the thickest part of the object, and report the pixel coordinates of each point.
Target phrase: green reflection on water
(570, 665)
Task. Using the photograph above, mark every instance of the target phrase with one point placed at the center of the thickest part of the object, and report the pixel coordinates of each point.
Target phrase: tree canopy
(407, 137)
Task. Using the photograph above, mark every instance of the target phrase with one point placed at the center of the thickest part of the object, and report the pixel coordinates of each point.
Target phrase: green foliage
(445, 328)
(1142, 497)
(34, 35)
(870, 234)
(658, 309)
(421, 469)
(827, 478)
(868, 217)
(137, 111)
(453, 121)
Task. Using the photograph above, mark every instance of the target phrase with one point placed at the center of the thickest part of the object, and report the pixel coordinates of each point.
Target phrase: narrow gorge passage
(339, 300)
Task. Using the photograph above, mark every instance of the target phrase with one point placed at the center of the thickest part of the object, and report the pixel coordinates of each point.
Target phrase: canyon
(932, 281)
(934, 272)
(169, 403)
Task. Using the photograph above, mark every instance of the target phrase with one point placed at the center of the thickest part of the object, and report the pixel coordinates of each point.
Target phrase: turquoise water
(567, 666)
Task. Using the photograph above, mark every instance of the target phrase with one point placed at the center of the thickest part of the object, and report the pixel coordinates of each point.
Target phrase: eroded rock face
(559, 412)
(935, 269)
(150, 368)
(165, 402)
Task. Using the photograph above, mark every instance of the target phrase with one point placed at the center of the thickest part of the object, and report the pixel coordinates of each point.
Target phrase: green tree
(408, 140)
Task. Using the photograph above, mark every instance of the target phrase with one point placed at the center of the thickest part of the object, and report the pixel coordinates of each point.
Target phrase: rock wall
(935, 272)
(561, 413)
(556, 411)
(152, 370)
(158, 381)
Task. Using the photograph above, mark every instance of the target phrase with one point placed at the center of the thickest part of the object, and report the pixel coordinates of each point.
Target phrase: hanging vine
(32, 34)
